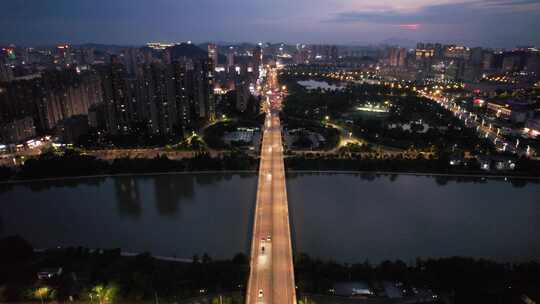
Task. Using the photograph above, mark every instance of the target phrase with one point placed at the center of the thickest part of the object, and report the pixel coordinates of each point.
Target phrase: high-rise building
(204, 89)
(510, 62)
(65, 54)
(488, 60)
(455, 70)
(424, 53)
(258, 56)
(333, 53)
(114, 95)
(230, 58)
(88, 56)
(6, 74)
(162, 98)
(533, 63)
(70, 129)
(18, 130)
(130, 59)
(213, 54)
(397, 57)
(301, 55)
(402, 57)
(477, 56)
(242, 95)
(183, 77)
(50, 98)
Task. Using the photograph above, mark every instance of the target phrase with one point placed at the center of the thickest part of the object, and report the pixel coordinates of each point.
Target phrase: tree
(14, 249)
(206, 259)
(42, 294)
(103, 294)
(240, 259)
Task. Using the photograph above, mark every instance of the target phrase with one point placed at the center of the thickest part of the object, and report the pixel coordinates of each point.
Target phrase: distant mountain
(399, 42)
(187, 50)
(105, 47)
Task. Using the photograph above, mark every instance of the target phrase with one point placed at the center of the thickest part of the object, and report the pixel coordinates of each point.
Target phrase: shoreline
(124, 254)
(52, 179)
(426, 174)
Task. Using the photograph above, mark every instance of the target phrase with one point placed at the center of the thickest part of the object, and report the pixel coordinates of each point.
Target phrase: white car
(260, 293)
(268, 238)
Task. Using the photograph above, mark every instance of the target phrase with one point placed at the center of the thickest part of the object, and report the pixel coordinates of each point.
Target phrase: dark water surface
(170, 215)
(345, 217)
(354, 218)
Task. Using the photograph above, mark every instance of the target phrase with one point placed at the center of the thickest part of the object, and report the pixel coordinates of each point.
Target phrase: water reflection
(348, 217)
(164, 214)
(353, 217)
(170, 191)
(45, 185)
(128, 196)
(440, 180)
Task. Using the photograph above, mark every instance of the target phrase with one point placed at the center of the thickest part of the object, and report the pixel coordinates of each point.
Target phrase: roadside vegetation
(73, 163)
(107, 276)
(452, 279)
(213, 135)
(390, 116)
(376, 162)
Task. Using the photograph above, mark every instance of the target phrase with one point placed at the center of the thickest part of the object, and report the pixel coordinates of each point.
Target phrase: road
(483, 128)
(271, 277)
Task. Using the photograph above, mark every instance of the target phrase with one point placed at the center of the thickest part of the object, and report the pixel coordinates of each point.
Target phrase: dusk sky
(497, 23)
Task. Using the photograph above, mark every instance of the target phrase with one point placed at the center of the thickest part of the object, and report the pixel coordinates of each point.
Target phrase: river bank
(481, 175)
(76, 272)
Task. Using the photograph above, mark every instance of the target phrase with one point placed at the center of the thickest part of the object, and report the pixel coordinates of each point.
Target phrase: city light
(168, 139)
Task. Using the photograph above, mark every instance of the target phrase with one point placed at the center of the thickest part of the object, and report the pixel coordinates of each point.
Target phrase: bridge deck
(272, 268)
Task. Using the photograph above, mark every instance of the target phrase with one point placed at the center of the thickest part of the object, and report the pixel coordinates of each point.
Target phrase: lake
(345, 217)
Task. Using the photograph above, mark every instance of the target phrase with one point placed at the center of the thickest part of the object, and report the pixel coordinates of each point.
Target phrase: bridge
(271, 278)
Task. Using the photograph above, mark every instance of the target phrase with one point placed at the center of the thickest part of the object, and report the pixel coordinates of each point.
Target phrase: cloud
(501, 22)
(447, 13)
(506, 3)
(410, 26)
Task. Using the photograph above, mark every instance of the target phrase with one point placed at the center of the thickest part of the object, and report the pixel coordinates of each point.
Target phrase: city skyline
(492, 23)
